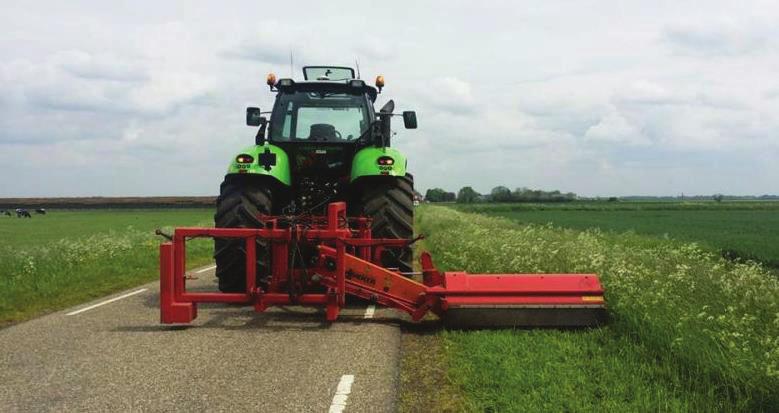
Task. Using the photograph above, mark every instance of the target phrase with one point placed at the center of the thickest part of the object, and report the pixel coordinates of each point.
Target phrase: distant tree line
(714, 197)
(468, 195)
(439, 195)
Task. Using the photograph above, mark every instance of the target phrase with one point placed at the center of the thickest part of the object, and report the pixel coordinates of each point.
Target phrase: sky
(598, 98)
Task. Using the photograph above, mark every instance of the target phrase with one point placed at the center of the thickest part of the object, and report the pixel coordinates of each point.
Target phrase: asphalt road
(117, 357)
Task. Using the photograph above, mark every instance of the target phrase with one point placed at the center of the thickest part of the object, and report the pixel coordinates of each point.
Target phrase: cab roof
(353, 86)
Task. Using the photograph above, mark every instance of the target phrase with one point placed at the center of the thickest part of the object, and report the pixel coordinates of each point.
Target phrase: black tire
(390, 202)
(241, 200)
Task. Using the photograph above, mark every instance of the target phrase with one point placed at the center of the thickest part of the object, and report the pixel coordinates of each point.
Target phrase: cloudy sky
(597, 98)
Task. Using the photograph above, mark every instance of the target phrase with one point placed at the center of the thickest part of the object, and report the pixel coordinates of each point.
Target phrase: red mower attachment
(344, 259)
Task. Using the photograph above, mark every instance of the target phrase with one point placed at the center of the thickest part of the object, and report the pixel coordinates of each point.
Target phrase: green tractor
(324, 142)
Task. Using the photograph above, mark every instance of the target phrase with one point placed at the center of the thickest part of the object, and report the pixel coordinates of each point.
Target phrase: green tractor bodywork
(365, 163)
(276, 164)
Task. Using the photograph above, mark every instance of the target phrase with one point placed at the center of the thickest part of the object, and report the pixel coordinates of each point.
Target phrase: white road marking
(369, 311)
(107, 301)
(205, 269)
(342, 393)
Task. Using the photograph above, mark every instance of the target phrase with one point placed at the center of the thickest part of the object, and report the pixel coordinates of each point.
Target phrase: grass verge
(424, 380)
(66, 258)
(691, 331)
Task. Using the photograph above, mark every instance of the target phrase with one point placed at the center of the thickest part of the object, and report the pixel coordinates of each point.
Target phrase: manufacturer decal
(361, 277)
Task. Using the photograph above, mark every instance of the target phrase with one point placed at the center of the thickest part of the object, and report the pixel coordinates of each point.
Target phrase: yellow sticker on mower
(592, 298)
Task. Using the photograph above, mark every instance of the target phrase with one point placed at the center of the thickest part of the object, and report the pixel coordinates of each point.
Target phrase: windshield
(314, 116)
(327, 73)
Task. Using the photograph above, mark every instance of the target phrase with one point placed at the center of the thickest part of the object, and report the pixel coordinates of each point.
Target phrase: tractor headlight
(244, 158)
(357, 83)
(385, 160)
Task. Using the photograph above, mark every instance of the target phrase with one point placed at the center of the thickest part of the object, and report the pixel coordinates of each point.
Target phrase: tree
(467, 195)
(435, 195)
(718, 197)
(520, 194)
(500, 194)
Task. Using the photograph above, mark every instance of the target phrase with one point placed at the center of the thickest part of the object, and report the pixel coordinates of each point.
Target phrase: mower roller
(347, 261)
(322, 207)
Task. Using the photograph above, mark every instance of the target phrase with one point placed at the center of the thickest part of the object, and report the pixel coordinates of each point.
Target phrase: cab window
(308, 116)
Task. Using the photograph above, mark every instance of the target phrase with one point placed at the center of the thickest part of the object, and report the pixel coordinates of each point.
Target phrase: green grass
(67, 257)
(745, 230)
(576, 371)
(74, 224)
(690, 331)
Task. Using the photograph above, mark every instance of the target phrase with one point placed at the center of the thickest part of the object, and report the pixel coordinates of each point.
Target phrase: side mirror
(253, 117)
(410, 119)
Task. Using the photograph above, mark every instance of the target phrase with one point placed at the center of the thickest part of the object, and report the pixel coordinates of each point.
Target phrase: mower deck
(348, 262)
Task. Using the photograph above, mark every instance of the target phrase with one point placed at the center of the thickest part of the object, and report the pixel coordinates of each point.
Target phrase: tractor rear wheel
(241, 200)
(390, 202)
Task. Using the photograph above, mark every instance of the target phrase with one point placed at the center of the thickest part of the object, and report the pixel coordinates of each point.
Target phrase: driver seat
(322, 131)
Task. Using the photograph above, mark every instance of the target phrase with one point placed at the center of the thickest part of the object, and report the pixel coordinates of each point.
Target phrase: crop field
(690, 330)
(746, 230)
(67, 257)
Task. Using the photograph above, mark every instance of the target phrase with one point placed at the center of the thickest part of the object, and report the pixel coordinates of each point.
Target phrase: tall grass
(713, 321)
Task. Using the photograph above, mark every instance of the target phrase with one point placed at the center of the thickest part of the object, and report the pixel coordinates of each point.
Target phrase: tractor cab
(326, 129)
(322, 111)
(323, 138)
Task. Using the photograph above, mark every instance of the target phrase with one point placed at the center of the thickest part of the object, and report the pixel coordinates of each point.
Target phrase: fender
(267, 159)
(366, 163)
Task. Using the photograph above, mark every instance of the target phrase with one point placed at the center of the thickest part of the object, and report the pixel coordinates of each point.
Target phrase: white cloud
(614, 128)
(448, 94)
(102, 66)
(727, 37)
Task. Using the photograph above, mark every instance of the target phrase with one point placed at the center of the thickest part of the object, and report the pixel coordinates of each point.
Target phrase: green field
(739, 229)
(690, 331)
(67, 257)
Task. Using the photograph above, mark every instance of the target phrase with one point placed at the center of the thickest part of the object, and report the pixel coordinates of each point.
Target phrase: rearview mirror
(410, 119)
(253, 117)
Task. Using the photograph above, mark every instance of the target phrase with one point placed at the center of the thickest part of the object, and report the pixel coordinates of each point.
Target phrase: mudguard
(267, 160)
(366, 163)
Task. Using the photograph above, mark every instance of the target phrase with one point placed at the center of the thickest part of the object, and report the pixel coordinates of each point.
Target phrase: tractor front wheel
(241, 200)
(390, 202)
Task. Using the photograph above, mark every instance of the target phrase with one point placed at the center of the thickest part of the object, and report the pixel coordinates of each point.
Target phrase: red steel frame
(349, 263)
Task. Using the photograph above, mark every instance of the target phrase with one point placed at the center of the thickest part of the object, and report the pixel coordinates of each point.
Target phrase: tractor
(324, 142)
(321, 208)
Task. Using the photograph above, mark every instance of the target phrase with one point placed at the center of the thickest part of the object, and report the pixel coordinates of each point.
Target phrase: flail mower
(321, 208)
